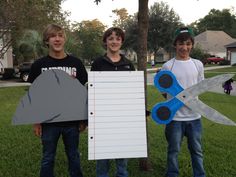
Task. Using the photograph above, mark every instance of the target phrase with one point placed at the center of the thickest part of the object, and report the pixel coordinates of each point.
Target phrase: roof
(231, 45)
(213, 41)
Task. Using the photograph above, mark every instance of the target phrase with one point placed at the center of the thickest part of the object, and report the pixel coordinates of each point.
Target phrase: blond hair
(51, 30)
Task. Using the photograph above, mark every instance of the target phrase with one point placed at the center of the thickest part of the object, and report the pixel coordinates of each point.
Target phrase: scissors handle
(165, 81)
(164, 112)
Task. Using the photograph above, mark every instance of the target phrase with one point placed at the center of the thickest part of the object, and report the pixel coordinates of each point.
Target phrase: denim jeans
(50, 137)
(175, 131)
(102, 168)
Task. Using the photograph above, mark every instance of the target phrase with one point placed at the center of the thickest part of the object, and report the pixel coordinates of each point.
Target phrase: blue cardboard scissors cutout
(166, 82)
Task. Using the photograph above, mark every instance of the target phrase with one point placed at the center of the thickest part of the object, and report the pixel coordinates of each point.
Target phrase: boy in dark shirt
(54, 37)
(113, 39)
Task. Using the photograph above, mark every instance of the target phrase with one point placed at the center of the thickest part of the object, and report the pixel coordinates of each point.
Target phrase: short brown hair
(119, 32)
(50, 30)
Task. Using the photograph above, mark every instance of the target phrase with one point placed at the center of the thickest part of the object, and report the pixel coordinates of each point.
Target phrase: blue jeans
(103, 166)
(175, 131)
(50, 137)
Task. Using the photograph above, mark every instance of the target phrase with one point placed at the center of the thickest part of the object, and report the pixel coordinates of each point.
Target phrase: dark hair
(119, 32)
(183, 34)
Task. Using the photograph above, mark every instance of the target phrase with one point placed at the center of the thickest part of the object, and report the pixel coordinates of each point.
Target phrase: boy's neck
(57, 55)
(182, 59)
(115, 57)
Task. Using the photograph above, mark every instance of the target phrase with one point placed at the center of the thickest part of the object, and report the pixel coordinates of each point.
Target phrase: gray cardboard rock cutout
(53, 97)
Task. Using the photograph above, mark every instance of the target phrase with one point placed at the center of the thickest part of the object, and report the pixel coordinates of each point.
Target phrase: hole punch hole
(165, 81)
(163, 113)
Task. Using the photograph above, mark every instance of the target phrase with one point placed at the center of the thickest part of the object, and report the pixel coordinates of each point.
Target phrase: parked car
(215, 60)
(23, 70)
(7, 73)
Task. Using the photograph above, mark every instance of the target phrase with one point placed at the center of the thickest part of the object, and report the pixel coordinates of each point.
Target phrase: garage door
(233, 58)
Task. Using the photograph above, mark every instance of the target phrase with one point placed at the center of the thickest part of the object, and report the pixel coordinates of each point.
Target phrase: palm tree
(31, 46)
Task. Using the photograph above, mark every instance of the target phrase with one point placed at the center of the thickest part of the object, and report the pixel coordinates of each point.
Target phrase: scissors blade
(208, 112)
(203, 86)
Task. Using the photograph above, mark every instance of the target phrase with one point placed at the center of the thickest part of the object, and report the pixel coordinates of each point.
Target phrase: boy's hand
(37, 129)
(82, 126)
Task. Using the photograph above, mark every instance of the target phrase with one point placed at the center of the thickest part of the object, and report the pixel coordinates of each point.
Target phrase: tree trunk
(142, 62)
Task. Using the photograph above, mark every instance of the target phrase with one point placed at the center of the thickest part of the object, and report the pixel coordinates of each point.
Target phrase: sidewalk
(216, 67)
(12, 84)
(219, 89)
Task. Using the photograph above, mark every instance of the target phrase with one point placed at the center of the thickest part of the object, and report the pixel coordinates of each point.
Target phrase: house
(213, 42)
(131, 55)
(162, 56)
(231, 52)
(6, 60)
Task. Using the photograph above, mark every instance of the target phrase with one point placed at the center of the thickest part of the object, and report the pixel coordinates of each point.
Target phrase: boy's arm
(83, 75)
(34, 73)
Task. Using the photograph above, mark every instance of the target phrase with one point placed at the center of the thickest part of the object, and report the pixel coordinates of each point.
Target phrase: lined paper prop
(166, 82)
(116, 115)
(54, 96)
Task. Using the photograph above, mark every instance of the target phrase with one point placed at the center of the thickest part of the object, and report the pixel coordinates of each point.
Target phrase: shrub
(224, 62)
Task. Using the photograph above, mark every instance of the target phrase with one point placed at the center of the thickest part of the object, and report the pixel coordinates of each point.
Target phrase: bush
(224, 62)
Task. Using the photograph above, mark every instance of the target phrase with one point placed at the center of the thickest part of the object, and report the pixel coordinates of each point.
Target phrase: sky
(188, 10)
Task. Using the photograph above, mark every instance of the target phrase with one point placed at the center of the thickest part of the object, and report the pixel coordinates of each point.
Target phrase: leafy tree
(72, 44)
(198, 53)
(129, 24)
(89, 34)
(31, 46)
(16, 16)
(122, 19)
(131, 33)
(163, 21)
(224, 20)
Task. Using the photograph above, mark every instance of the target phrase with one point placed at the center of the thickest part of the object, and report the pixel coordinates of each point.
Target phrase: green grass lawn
(20, 150)
(222, 70)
